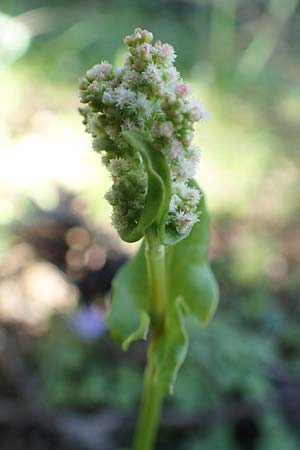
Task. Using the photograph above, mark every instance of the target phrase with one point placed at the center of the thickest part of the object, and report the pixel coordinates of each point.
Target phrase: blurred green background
(63, 383)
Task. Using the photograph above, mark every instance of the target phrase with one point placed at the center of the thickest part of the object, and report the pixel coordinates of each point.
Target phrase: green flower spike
(141, 119)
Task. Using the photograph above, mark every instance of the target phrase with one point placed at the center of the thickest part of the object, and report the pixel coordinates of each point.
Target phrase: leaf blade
(159, 187)
(128, 318)
(192, 277)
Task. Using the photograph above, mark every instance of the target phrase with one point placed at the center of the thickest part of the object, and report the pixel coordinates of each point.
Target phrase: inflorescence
(146, 94)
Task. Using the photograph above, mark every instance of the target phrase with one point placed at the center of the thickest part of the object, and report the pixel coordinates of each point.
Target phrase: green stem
(152, 395)
(155, 257)
(147, 424)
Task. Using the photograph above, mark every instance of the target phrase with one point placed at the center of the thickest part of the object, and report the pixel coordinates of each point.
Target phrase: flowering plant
(141, 118)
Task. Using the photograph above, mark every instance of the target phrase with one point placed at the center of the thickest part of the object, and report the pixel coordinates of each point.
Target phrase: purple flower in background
(89, 322)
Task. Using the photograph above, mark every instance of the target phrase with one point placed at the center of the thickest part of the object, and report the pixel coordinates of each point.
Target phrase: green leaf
(191, 288)
(128, 319)
(189, 272)
(167, 233)
(159, 190)
(158, 195)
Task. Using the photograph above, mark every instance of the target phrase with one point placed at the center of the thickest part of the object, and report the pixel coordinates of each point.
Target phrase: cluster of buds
(145, 94)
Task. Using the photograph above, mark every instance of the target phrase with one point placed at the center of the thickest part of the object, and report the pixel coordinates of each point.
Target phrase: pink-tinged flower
(166, 52)
(124, 97)
(166, 129)
(169, 97)
(196, 110)
(129, 40)
(182, 89)
(153, 75)
(184, 221)
(176, 149)
(193, 196)
(187, 138)
(145, 51)
(103, 71)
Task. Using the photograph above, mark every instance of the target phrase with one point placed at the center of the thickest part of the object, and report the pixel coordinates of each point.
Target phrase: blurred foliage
(241, 57)
(78, 375)
(225, 359)
(274, 435)
(228, 361)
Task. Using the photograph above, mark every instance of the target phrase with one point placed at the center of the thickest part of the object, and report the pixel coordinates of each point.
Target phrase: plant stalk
(152, 396)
